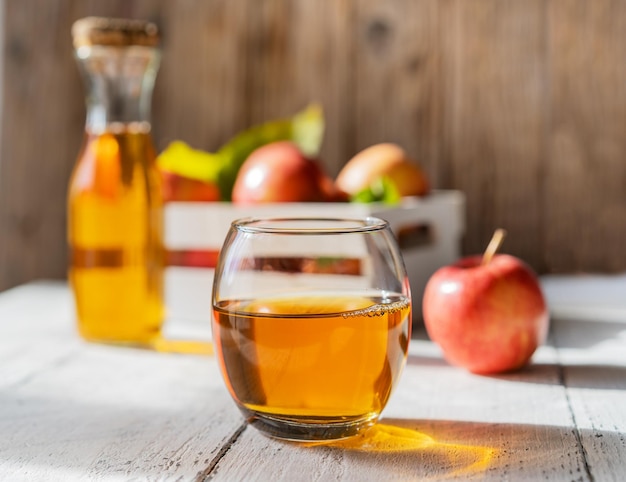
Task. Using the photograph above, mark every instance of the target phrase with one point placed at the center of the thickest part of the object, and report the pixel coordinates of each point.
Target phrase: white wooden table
(76, 411)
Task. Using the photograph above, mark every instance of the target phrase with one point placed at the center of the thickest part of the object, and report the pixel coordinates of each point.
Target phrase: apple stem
(493, 246)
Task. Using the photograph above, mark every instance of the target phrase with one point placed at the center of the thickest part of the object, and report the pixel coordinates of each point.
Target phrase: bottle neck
(119, 83)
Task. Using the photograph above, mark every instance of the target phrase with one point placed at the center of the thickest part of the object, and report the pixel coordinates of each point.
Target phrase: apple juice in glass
(311, 323)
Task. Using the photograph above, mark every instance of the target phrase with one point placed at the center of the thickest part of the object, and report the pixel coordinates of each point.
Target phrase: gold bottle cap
(114, 32)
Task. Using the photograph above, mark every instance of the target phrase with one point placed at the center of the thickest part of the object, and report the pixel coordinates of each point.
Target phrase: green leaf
(308, 130)
(305, 129)
(181, 159)
(381, 189)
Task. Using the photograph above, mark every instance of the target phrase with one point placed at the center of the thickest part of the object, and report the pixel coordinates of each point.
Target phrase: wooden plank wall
(521, 104)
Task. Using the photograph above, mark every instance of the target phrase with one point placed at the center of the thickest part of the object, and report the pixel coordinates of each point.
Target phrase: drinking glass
(311, 323)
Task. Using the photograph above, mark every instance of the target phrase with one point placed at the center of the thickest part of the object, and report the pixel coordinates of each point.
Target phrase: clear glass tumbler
(311, 323)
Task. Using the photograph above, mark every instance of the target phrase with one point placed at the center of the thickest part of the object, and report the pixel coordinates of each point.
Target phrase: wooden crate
(428, 229)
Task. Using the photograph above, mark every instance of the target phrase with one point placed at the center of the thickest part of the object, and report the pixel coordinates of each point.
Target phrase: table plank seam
(207, 472)
(575, 429)
(75, 411)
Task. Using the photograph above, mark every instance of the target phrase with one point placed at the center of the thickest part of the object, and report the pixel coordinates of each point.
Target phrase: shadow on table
(446, 450)
(600, 377)
(565, 333)
(174, 444)
(568, 333)
(425, 360)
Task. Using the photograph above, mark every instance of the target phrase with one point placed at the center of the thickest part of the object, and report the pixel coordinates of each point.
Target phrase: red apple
(278, 172)
(179, 188)
(331, 191)
(486, 317)
(385, 160)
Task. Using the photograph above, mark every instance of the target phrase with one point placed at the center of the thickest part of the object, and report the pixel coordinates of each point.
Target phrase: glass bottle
(114, 200)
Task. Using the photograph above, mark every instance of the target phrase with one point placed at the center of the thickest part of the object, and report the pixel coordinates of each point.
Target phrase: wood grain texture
(494, 116)
(299, 52)
(396, 74)
(444, 424)
(39, 143)
(200, 89)
(594, 375)
(520, 105)
(76, 411)
(585, 174)
(89, 405)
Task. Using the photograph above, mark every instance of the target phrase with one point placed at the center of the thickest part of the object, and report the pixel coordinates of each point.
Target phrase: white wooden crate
(429, 230)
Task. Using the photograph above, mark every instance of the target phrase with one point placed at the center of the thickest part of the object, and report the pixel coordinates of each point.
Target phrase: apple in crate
(180, 188)
(383, 161)
(487, 313)
(280, 172)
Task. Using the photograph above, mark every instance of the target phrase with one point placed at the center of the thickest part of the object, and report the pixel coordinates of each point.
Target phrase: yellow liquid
(312, 359)
(115, 237)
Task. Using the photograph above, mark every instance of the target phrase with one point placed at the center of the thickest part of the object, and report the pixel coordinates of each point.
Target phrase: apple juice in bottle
(114, 201)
